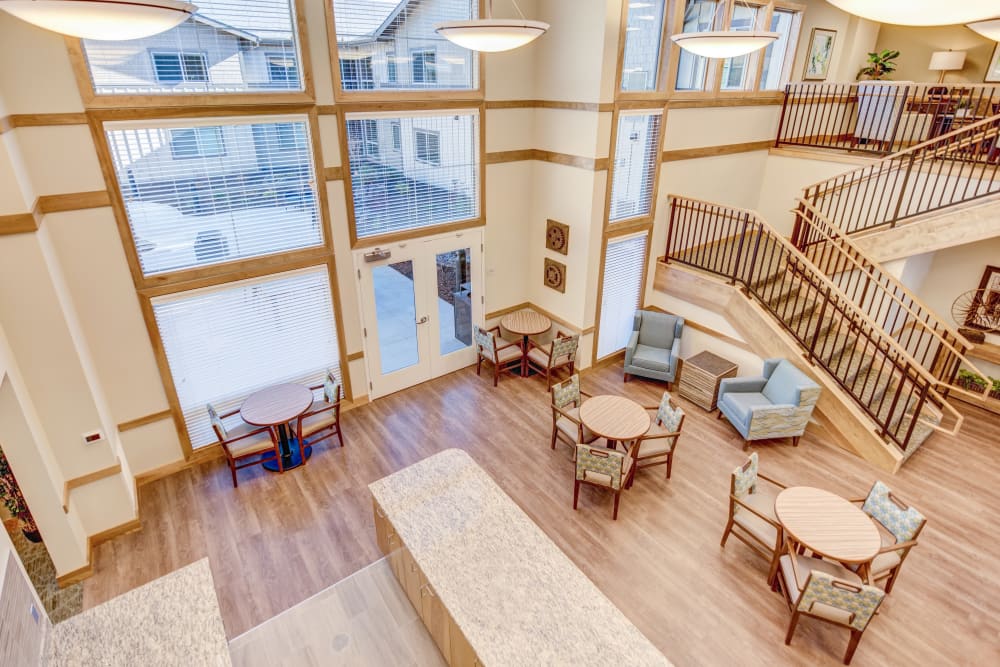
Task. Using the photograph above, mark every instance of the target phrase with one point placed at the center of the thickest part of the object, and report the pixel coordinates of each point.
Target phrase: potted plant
(879, 65)
(994, 388)
(964, 107)
(971, 381)
(10, 495)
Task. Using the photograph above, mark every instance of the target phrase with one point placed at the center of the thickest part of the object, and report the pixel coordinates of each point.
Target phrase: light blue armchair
(777, 404)
(653, 349)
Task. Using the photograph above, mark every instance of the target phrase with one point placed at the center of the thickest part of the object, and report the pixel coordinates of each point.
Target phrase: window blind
(784, 22)
(635, 164)
(699, 16)
(643, 35)
(624, 261)
(398, 48)
(229, 46)
(429, 177)
(199, 193)
(224, 343)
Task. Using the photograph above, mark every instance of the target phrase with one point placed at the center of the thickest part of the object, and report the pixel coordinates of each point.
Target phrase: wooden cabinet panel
(382, 528)
(436, 619)
(413, 580)
(462, 654)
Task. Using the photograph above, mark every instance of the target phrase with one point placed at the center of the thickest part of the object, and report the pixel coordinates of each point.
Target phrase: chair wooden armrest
(234, 411)
(896, 547)
(508, 344)
(772, 481)
(857, 500)
(533, 345)
(583, 393)
(256, 431)
(755, 512)
(568, 416)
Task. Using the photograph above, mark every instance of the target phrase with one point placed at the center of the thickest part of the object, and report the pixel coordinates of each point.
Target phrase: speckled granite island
(491, 587)
(173, 620)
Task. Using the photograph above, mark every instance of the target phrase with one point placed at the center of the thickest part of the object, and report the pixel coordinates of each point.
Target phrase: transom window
(643, 35)
(778, 55)
(692, 70)
(398, 36)
(228, 46)
(432, 177)
(202, 192)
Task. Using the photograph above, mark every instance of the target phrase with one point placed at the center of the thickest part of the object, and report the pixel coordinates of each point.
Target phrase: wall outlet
(92, 437)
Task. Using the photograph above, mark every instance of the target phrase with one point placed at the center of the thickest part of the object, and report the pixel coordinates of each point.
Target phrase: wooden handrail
(845, 302)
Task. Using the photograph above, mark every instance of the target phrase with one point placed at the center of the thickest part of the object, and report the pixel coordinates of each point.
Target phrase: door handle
(423, 320)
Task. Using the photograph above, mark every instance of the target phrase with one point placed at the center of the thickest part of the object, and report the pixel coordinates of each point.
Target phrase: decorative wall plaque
(557, 237)
(555, 275)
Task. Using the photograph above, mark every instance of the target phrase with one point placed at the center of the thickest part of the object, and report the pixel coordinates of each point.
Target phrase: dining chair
(322, 418)
(244, 445)
(504, 357)
(559, 354)
(566, 424)
(827, 591)
(657, 447)
(751, 513)
(605, 468)
(899, 526)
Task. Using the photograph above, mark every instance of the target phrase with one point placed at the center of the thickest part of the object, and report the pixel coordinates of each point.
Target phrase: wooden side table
(700, 378)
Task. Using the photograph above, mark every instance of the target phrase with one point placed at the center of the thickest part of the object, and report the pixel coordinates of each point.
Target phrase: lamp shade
(491, 35)
(724, 43)
(947, 60)
(101, 19)
(988, 29)
(920, 12)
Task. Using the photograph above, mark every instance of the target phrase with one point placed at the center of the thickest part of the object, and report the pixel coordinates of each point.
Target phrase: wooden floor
(279, 539)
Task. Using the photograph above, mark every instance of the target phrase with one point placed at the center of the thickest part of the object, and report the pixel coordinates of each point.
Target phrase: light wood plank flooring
(277, 540)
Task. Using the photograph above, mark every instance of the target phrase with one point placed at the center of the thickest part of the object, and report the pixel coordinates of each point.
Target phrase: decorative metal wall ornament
(555, 275)
(557, 237)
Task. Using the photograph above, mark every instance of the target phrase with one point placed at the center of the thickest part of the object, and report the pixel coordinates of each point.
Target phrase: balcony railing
(882, 378)
(879, 118)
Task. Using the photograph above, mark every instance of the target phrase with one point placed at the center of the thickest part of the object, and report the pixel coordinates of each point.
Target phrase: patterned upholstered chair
(560, 353)
(244, 445)
(829, 592)
(492, 348)
(777, 404)
(653, 350)
(566, 424)
(657, 447)
(751, 513)
(606, 468)
(322, 419)
(898, 524)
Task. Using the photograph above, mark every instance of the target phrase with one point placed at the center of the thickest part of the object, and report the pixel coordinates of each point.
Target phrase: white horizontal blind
(430, 177)
(635, 164)
(199, 192)
(229, 46)
(624, 261)
(785, 22)
(223, 343)
(391, 45)
(643, 33)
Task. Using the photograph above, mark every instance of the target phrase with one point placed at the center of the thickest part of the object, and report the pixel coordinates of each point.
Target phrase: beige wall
(855, 38)
(916, 45)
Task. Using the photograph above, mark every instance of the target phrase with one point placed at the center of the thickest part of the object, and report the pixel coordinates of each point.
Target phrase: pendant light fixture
(725, 43)
(920, 12)
(102, 19)
(490, 34)
(988, 29)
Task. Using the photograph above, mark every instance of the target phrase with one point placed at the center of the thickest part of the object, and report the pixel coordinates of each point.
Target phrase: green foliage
(880, 65)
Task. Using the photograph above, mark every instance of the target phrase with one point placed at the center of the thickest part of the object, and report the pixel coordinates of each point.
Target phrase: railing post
(916, 416)
(902, 190)
(739, 249)
(781, 120)
(819, 325)
(670, 230)
(899, 118)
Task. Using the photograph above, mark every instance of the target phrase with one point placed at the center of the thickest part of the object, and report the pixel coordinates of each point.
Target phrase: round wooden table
(525, 323)
(828, 525)
(615, 418)
(276, 406)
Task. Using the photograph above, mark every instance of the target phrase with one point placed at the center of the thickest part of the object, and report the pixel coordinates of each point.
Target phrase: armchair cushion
(783, 385)
(745, 384)
(250, 445)
(753, 524)
(506, 354)
(656, 329)
(569, 428)
(741, 406)
(653, 358)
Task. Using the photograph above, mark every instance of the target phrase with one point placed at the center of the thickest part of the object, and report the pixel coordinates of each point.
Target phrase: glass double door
(419, 300)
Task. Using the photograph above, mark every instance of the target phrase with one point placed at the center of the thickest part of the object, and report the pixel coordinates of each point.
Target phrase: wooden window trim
(342, 96)
(646, 218)
(664, 86)
(91, 100)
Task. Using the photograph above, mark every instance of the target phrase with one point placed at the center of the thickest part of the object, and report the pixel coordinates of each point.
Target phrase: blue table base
(293, 458)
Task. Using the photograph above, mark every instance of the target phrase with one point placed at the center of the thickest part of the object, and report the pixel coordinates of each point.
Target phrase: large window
(203, 192)
(398, 36)
(426, 175)
(643, 35)
(624, 264)
(229, 46)
(778, 55)
(739, 73)
(635, 164)
(223, 343)
(699, 16)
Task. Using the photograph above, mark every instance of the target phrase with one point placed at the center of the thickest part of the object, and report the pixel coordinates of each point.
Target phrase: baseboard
(76, 576)
(111, 533)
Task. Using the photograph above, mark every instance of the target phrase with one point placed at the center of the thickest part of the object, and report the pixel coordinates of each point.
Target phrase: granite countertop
(173, 620)
(516, 596)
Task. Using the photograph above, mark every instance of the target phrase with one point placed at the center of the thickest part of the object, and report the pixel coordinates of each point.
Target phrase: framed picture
(993, 69)
(820, 54)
